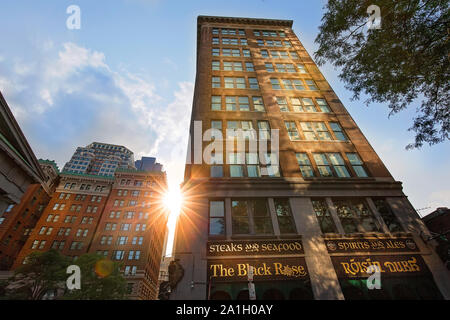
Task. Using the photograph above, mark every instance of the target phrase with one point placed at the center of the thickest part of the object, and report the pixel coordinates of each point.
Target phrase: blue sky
(126, 77)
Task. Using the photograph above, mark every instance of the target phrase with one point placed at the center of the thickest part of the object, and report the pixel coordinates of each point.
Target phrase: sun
(172, 201)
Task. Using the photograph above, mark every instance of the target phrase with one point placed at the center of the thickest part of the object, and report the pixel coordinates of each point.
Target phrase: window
(258, 104)
(262, 222)
(294, 55)
(251, 217)
(270, 167)
(311, 85)
(264, 53)
(269, 67)
(231, 105)
(251, 159)
(235, 161)
(355, 216)
(284, 215)
(215, 52)
(216, 82)
(216, 171)
(239, 217)
(323, 105)
(246, 52)
(232, 66)
(216, 103)
(216, 218)
(249, 67)
(323, 216)
(235, 83)
(308, 105)
(357, 165)
(216, 65)
(305, 165)
(337, 130)
(301, 68)
(323, 162)
(275, 84)
(292, 130)
(315, 131)
(296, 105)
(388, 216)
(282, 104)
(215, 40)
(264, 130)
(253, 83)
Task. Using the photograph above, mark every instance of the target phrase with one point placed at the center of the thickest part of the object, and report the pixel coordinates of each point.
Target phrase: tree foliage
(101, 279)
(43, 271)
(405, 61)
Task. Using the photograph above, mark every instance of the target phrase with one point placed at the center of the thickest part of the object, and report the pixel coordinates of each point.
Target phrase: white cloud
(74, 97)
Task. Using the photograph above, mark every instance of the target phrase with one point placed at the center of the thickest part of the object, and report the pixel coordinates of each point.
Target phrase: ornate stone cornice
(239, 20)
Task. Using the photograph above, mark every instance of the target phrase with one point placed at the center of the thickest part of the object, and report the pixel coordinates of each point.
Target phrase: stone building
(310, 213)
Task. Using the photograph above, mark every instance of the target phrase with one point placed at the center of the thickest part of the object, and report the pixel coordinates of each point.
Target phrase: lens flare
(104, 268)
(172, 201)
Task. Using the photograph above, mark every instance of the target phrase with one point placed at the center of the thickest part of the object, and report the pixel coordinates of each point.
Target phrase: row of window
(131, 203)
(252, 216)
(134, 193)
(330, 165)
(314, 131)
(274, 54)
(245, 165)
(241, 32)
(112, 226)
(232, 66)
(231, 52)
(285, 67)
(74, 207)
(228, 31)
(249, 67)
(325, 165)
(230, 41)
(69, 219)
(137, 183)
(57, 244)
(128, 215)
(235, 83)
(107, 240)
(83, 186)
(293, 84)
(238, 103)
(252, 83)
(296, 104)
(274, 43)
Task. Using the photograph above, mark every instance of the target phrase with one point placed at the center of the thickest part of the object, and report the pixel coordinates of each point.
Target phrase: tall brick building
(119, 216)
(18, 221)
(308, 219)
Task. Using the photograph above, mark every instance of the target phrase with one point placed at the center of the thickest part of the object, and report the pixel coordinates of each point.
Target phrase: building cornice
(247, 21)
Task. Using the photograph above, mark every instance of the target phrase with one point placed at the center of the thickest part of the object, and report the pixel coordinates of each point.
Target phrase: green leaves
(405, 61)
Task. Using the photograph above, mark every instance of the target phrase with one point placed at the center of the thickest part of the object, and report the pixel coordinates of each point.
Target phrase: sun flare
(172, 201)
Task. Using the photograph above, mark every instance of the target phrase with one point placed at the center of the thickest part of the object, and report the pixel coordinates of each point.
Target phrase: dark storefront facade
(279, 270)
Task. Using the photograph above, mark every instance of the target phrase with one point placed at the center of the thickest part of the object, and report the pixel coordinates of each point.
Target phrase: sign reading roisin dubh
(387, 245)
(263, 269)
(401, 265)
(254, 247)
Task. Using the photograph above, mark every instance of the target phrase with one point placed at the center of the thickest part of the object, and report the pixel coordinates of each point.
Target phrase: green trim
(50, 162)
(87, 175)
(13, 149)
